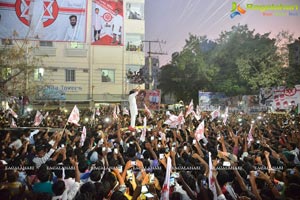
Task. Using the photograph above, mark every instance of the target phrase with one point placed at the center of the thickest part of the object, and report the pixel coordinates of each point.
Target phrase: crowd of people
(54, 161)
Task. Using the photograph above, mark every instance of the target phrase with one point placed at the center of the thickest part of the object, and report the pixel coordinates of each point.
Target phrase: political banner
(45, 20)
(280, 97)
(150, 98)
(107, 22)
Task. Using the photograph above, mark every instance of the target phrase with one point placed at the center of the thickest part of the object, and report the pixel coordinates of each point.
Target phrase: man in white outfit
(133, 108)
(97, 24)
(117, 24)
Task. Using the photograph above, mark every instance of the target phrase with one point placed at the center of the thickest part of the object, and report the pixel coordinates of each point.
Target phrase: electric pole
(149, 42)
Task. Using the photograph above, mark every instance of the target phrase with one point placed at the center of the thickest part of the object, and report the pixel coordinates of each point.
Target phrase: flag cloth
(190, 108)
(199, 133)
(83, 136)
(198, 111)
(250, 136)
(149, 114)
(144, 129)
(180, 119)
(125, 111)
(13, 123)
(97, 112)
(165, 192)
(175, 121)
(46, 115)
(117, 109)
(140, 120)
(74, 116)
(225, 116)
(211, 179)
(13, 113)
(115, 113)
(38, 118)
(198, 117)
(215, 114)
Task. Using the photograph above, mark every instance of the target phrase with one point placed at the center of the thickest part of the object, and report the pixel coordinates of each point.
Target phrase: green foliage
(17, 64)
(239, 62)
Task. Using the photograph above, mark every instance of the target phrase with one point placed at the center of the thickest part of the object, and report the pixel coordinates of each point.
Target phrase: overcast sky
(173, 20)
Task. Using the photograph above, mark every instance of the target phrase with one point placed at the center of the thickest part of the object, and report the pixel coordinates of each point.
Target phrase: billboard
(279, 97)
(207, 100)
(107, 22)
(149, 97)
(48, 20)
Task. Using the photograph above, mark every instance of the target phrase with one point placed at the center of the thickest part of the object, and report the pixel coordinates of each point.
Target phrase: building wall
(88, 60)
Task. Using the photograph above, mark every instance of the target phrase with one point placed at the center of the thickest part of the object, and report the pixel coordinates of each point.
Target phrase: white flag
(13, 113)
(83, 136)
(38, 118)
(215, 114)
(250, 136)
(143, 135)
(125, 111)
(165, 191)
(149, 114)
(115, 113)
(190, 108)
(211, 179)
(97, 112)
(199, 133)
(225, 116)
(74, 116)
(46, 115)
(13, 123)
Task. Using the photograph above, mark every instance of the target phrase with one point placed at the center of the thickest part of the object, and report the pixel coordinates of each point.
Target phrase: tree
(17, 64)
(188, 72)
(247, 61)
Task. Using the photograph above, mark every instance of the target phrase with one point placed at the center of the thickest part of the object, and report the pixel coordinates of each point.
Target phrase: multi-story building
(89, 63)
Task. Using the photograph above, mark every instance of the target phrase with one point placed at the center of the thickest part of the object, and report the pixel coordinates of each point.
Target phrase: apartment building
(86, 46)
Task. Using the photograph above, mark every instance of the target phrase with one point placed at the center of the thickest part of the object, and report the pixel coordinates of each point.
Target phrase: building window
(6, 42)
(46, 44)
(134, 42)
(38, 74)
(70, 75)
(76, 45)
(134, 74)
(108, 75)
(135, 11)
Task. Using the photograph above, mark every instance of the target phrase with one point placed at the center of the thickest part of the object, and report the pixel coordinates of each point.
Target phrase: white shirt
(97, 22)
(36, 12)
(132, 103)
(39, 161)
(117, 24)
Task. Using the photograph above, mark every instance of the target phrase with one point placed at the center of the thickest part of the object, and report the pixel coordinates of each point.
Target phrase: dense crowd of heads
(51, 162)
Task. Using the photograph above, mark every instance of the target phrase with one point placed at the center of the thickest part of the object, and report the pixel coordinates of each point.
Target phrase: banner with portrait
(46, 20)
(107, 22)
(279, 97)
(151, 98)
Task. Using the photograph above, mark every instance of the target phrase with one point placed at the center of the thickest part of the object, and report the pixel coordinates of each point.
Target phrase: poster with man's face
(107, 22)
(46, 20)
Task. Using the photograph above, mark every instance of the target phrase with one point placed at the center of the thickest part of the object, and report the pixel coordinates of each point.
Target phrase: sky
(171, 21)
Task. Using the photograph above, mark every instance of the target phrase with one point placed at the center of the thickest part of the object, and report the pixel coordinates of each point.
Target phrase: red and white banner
(107, 22)
(165, 191)
(149, 114)
(190, 108)
(125, 111)
(74, 116)
(199, 133)
(13, 123)
(38, 118)
(48, 20)
(225, 116)
(211, 179)
(115, 112)
(215, 114)
(250, 136)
